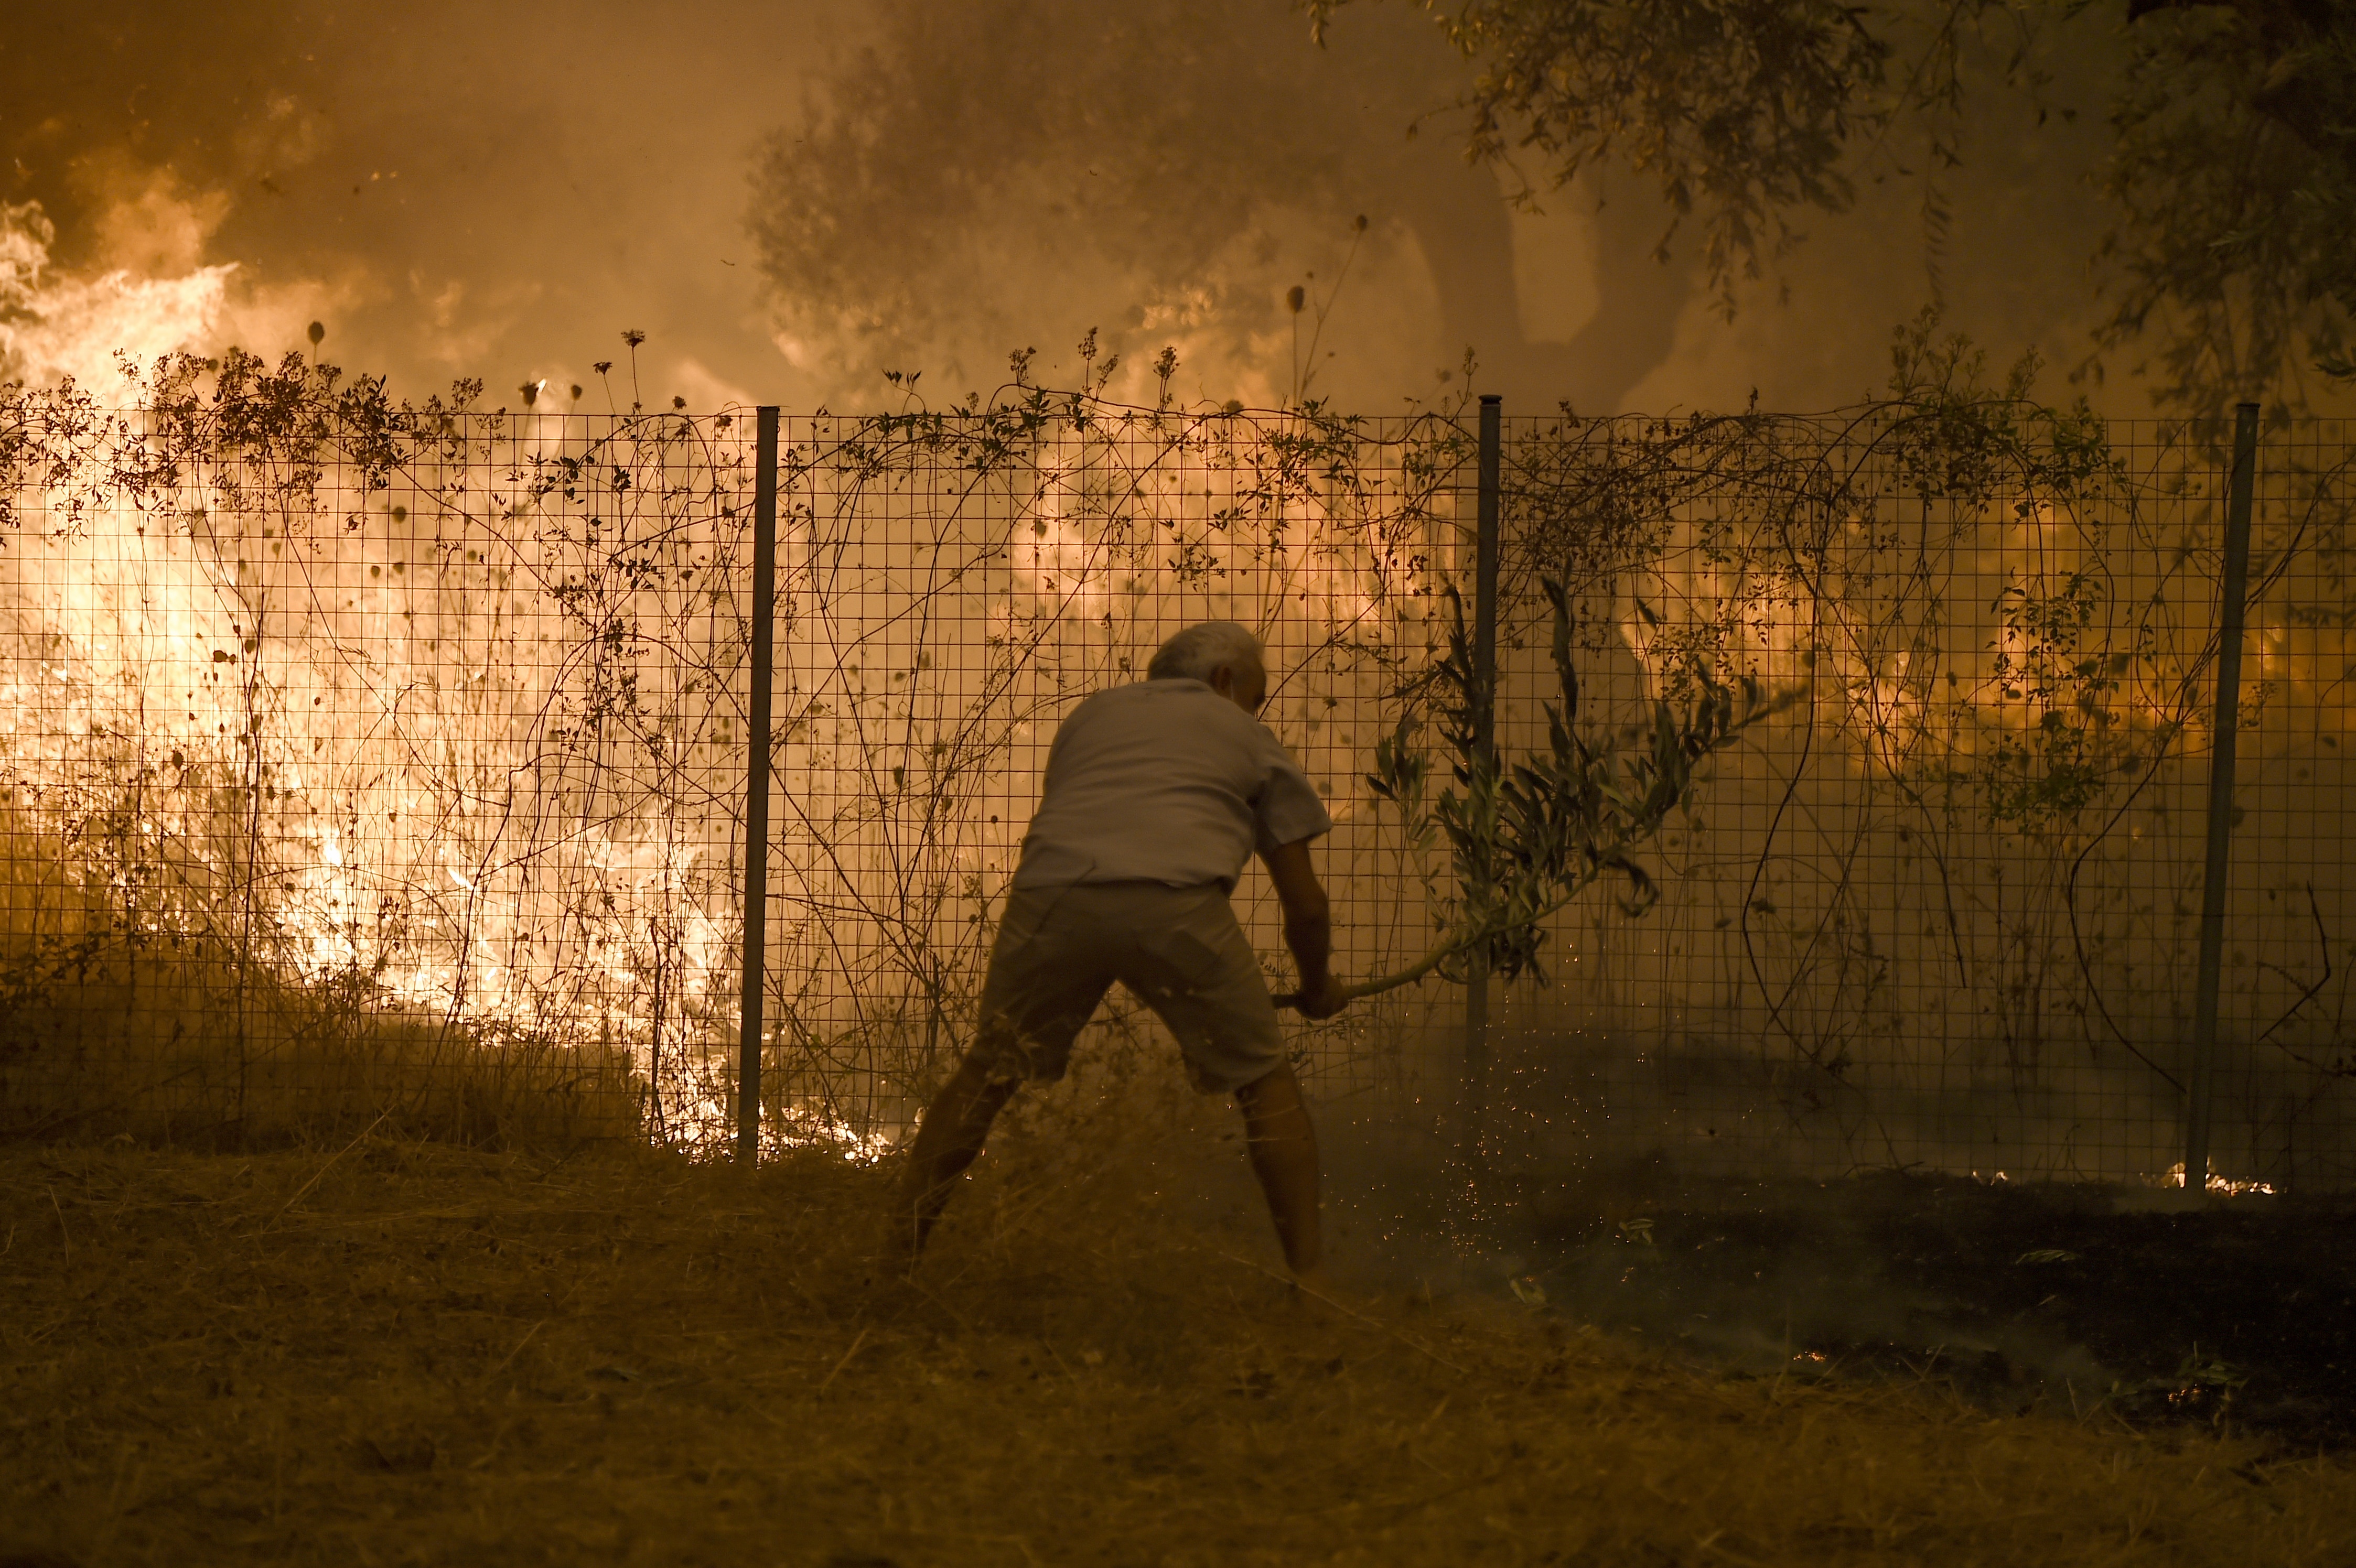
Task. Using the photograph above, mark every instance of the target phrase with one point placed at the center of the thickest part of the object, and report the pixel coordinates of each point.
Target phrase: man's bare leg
(949, 1140)
(1283, 1144)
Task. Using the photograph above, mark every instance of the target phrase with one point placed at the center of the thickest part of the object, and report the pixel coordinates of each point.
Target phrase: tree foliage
(1741, 111)
(2231, 171)
(2234, 183)
(976, 152)
(1526, 836)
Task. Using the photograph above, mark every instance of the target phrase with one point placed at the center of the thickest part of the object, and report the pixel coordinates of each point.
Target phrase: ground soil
(397, 1352)
(2232, 1313)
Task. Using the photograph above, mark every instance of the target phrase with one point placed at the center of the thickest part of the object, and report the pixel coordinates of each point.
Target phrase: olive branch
(1527, 838)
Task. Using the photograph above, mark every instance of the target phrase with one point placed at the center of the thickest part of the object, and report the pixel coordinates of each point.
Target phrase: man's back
(1165, 781)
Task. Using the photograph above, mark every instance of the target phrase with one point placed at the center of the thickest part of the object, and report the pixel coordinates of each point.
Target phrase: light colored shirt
(1165, 781)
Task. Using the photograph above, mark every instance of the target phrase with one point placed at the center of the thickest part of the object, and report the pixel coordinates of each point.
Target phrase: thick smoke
(791, 201)
(452, 191)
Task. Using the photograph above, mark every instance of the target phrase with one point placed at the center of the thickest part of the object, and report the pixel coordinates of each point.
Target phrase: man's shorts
(1178, 949)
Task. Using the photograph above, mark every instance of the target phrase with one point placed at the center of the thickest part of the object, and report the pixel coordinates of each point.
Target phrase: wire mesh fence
(1944, 912)
(368, 763)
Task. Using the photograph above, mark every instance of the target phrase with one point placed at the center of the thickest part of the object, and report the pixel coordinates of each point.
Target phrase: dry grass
(175, 1042)
(400, 1353)
(150, 1012)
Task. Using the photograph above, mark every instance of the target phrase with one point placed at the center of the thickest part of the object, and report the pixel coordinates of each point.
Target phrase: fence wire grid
(370, 762)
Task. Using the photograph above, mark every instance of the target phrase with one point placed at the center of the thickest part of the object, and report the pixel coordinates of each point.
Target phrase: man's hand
(1321, 997)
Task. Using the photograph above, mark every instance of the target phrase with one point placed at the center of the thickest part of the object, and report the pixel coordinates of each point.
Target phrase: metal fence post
(2238, 496)
(756, 788)
(1485, 748)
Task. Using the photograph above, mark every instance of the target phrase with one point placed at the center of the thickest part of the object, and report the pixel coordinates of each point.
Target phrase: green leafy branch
(1528, 837)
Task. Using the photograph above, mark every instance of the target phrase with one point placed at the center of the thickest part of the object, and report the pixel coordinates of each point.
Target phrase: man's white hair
(1201, 648)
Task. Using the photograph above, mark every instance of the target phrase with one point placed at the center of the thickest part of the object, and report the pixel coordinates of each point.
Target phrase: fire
(2224, 1187)
(54, 328)
(463, 731)
(463, 735)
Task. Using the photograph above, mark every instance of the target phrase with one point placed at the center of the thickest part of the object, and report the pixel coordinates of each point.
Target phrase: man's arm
(1308, 926)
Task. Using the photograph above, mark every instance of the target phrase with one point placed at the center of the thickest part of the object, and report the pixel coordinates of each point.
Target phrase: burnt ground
(2238, 1313)
(2167, 1310)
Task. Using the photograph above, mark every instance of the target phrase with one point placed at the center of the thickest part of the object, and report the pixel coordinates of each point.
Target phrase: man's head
(1223, 654)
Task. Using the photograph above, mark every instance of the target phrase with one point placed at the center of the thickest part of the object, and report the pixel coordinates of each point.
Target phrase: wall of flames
(462, 729)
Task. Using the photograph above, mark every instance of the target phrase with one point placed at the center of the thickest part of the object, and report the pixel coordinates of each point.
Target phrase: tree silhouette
(1145, 159)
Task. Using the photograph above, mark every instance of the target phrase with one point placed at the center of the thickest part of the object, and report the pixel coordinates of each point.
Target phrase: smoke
(1009, 174)
(1207, 180)
(452, 191)
(151, 295)
(791, 201)
(53, 327)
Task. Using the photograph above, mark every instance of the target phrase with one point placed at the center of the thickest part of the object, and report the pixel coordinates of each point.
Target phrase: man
(1155, 796)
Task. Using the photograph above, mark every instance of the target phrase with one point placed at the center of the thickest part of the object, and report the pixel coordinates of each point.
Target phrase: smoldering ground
(1597, 1197)
(391, 1350)
(2150, 1303)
